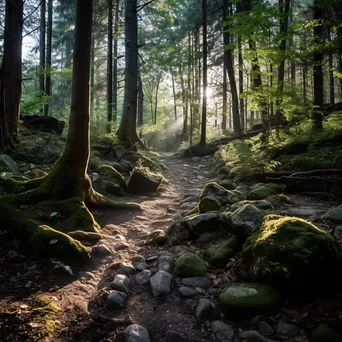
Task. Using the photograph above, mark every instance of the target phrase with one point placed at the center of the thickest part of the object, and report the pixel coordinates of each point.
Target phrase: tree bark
(42, 47)
(228, 60)
(48, 88)
(242, 103)
(284, 8)
(331, 72)
(173, 93)
(127, 131)
(224, 99)
(156, 98)
(140, 101)
(11, 66)
(115, 61)
(110, 67)
(205, 56)
(317, 68)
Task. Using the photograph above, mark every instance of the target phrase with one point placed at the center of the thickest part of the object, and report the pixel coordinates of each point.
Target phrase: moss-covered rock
(190, 265)
(260, 191)
(112, 174)
(144, 181)
(246, 220)
(291, 253)
(177, 234)
(324, 333)
(260, 204)
(227, 184)
(219, 255)
(279, 200)
(223, 195)
(249, 299)
(202, 223)
(206, 237)
(208, 204)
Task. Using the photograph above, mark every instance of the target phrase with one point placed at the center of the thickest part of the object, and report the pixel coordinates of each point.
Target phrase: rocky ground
(131, 284)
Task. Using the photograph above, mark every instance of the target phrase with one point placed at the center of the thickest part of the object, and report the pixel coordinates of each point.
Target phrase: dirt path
(79, 296)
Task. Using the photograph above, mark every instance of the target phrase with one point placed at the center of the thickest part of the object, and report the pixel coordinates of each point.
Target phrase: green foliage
(246, 157)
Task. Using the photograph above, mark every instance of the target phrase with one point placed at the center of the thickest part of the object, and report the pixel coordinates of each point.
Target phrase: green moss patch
(290, 253)
(249, 299)
(190, 265)
(219, 255)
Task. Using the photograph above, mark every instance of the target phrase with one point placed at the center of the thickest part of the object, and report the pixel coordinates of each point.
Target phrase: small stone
(140, 266)
(101, 250)
(152, 258)
(195, 159)
(205, 309)
(187, 291)
(179, 249)
(265, 329)
(121, 283)
(202, 282)
(121, 246)
(222, 331)
(287, 330)
(161, 283)
(174, 336)
(125, 268)
(164, 262)
(143, 277)
(136, 333)
(115, 299)
(119, 237)
(137, 259)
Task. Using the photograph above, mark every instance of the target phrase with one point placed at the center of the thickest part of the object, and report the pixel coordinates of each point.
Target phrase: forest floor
(42, 301)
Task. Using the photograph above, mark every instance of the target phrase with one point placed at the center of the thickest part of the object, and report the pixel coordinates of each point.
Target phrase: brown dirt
(40, 301)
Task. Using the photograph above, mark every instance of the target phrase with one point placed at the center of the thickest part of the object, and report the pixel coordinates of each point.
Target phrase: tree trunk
(156, 98)
(242, 103)
(48, 88)
(115, 61)
(224, 99)
(185, 109)
(11, 66)
(127, 131)
(92, 75)
(42, 47)
(205, 67)
(173, 93)
(110, 67)
(140, 101)
(331, 72)
(317, 67)
(284, 8)
(228, 60)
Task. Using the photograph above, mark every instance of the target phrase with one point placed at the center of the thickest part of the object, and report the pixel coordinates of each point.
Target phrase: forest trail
(80, 296)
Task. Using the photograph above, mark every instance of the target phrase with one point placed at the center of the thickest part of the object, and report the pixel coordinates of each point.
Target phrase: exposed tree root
(40, 239)
(62, 197)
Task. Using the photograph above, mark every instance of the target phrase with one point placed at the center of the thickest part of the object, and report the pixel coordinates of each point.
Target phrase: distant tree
(10, 88)
(318, 57)
(205, 67)
(128, 126)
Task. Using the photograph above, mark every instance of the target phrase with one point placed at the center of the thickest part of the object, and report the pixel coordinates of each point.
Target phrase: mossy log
(41, 240)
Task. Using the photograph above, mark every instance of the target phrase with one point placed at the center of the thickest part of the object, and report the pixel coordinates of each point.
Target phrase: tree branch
(139, 8)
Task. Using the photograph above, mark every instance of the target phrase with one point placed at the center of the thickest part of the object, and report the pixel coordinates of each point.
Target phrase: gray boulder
(246, 220)
(136, 333)
(161, 283)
